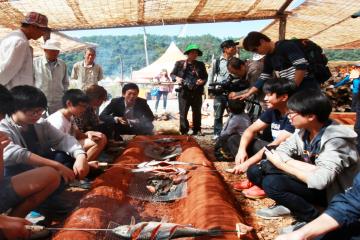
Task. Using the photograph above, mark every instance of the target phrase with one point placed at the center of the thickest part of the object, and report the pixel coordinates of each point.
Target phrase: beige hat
(52, 45)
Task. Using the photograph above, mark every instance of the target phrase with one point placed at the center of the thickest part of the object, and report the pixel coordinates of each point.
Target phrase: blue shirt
(277, 122)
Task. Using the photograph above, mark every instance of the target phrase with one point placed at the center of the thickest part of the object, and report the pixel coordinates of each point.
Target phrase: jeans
(290, 192)
(220, 104)
(189, 99)
(357, 126)
(158, 96)
(350, 232)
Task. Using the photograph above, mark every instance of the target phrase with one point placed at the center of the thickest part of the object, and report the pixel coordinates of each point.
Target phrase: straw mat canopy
(327, 22)
(89, 14)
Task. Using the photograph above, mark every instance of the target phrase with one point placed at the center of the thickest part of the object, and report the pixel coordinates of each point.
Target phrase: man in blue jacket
(339, 221)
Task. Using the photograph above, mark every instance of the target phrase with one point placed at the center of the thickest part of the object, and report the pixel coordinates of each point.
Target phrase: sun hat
(37, 19)
(52, 44)
(193, 46)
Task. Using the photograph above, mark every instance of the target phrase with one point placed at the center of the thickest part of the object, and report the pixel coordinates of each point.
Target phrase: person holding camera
(191, 75)
(219, 73)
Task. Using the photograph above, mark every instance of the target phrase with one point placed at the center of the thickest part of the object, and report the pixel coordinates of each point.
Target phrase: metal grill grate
(138, 190)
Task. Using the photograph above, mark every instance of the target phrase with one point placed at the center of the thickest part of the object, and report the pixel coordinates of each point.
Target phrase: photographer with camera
(191, 75)
(219, 73)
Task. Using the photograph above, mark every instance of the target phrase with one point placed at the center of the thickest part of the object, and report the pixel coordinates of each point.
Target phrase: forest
(112, 51)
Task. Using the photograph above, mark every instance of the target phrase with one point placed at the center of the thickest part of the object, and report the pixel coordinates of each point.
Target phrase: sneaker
(273, 212)
(254, 192)
(34, 217)
(291, 228)
(215, 137)
(241, 185)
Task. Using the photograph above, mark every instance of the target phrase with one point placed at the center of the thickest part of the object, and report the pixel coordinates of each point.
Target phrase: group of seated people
(40, 156)
(297, 156)
(306, 163)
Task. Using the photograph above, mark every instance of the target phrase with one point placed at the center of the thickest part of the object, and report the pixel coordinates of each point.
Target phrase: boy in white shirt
(75, 102)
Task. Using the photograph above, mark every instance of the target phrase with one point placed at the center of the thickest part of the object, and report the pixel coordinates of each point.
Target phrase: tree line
(128, 51)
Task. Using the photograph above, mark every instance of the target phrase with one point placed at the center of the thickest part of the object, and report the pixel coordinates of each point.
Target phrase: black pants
(287, 191)
(256, 144)
(189, 99)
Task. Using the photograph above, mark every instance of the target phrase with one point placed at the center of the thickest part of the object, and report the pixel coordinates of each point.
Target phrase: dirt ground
(265, 229)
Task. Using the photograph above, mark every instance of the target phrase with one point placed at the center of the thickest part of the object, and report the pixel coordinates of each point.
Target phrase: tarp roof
(327, 22)
(166, 61)
(87, 14)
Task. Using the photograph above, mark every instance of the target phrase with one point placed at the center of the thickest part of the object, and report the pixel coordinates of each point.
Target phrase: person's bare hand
(240, 168)
(14, 227)
(121, 120)
(4, 141)
(93, 135)
(241, 157)
(200, 82)
(243, 96)
(81, 166)
(65, 172)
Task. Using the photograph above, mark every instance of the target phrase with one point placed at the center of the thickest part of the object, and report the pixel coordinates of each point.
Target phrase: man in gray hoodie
(311, 166)
(33, 140)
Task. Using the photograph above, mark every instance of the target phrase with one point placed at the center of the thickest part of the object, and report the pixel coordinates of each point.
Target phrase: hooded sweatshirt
(49, 138)
(337, 161)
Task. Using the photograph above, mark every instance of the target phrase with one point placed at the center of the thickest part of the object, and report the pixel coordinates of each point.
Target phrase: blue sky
(222, 30)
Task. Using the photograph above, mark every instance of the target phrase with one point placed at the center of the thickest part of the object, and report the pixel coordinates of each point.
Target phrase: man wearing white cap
(51, 75)
(16, 58)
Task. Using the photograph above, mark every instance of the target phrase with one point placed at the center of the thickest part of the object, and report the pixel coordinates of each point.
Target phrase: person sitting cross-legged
(313, 165)
(248, 147)
(35, 143)
(75, 103)
(23, 192)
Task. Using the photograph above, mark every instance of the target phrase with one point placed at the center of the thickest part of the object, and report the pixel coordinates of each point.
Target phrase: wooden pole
(282, 26)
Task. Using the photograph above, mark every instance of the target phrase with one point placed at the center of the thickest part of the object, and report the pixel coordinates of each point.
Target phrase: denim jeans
(350, 232)
(220, 104)
(289, 192)
(158, 96)
(256, 145)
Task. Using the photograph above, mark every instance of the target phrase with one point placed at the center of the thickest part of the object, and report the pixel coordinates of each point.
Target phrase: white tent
(166, 61)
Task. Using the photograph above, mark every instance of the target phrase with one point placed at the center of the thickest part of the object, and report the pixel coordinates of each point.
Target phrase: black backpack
(314, 54)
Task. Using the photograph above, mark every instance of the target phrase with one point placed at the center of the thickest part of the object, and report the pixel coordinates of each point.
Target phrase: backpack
(314, 54)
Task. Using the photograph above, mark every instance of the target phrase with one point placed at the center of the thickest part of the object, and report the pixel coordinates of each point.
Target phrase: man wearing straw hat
(16, 58)
(51, 75)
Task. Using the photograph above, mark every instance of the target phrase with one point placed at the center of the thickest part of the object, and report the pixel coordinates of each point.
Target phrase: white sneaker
(215, 137)
(291, 228)
(273, 212)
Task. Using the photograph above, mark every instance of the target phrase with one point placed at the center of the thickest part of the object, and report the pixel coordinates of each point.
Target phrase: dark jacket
(181, 70)
(345, 207)
(116, 108)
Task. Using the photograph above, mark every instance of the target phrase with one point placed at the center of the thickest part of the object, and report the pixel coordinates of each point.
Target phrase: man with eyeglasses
(219, 73)
(283, 58)
(16, 54)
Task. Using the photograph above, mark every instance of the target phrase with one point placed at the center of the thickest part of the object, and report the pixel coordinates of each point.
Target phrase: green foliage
(343, 55)
(111, 50)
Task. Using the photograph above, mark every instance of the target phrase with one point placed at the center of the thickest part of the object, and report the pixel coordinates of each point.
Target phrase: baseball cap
(37, 19)
(228, 43)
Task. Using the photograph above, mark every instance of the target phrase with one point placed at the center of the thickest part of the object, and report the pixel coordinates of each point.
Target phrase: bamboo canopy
(327, 22)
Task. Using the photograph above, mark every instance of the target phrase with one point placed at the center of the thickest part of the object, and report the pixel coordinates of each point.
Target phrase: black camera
(231, 84)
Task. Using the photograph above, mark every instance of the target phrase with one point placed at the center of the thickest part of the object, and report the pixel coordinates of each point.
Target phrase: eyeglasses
(292, 114)
(35, 112)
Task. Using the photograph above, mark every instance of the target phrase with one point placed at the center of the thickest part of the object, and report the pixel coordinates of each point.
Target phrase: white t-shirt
(59, 121)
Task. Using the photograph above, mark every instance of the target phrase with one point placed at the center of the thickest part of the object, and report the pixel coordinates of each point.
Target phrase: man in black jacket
(192, 76)
(129, 114)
